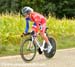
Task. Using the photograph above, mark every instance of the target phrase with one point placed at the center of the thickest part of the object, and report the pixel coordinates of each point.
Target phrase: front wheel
(53, 50)
(28, 50)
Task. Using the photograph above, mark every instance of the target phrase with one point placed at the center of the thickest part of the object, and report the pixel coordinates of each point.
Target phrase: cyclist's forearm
(27, 28)
(27, 25)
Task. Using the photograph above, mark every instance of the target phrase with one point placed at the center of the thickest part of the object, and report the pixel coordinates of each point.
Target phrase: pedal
(39, 51)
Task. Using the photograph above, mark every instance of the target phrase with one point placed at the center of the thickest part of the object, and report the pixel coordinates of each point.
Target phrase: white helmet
(26, 10)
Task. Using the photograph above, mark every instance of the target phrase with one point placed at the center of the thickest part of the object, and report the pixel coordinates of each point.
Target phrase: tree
(60, 8)
(8, 5)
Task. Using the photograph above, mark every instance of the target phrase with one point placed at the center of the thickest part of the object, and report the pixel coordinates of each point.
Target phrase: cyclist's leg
(35, 29)
(42, 33)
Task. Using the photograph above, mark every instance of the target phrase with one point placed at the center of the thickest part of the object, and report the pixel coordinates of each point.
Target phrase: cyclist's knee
(42, 34)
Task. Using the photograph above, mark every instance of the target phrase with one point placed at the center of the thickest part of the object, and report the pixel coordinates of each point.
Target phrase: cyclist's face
(26, 15)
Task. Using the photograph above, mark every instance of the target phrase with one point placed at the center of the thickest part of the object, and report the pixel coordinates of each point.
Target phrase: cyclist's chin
(26, 16)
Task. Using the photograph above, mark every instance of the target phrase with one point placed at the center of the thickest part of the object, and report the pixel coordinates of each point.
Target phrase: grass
(12, 26)
(66, 42)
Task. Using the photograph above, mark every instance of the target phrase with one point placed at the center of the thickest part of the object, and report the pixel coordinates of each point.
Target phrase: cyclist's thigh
(42, 28)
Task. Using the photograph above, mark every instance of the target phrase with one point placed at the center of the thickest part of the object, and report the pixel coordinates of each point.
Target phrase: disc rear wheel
(53, 50)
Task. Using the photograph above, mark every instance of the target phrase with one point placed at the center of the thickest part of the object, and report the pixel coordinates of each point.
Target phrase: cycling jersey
(37, 18)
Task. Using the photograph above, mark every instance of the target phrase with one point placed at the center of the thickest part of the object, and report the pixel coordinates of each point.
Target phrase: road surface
(62, 58)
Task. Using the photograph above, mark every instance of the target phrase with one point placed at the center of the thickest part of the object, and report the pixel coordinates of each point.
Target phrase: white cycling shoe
(49, 48)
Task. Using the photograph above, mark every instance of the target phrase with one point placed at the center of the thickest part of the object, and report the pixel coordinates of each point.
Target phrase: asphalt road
(62, 58)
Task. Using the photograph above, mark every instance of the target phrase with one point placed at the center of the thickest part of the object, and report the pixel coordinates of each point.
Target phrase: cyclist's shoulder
(36, 15)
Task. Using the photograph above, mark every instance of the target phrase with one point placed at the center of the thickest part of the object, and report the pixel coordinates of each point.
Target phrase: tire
(53, 51)
(24, 52)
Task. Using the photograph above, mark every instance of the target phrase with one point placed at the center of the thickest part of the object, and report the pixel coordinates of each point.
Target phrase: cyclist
(39, 23)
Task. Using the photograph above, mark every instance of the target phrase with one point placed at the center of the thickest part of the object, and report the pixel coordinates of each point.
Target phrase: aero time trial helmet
(26, 10)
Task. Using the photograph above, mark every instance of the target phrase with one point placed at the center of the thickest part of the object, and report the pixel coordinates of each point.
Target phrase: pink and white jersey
(37, 18)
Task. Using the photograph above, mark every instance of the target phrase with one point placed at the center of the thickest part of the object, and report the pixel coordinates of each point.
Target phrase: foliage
(60, 8)
(9, 5)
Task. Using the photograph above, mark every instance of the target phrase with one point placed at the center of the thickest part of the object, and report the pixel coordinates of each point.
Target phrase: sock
(49, 44)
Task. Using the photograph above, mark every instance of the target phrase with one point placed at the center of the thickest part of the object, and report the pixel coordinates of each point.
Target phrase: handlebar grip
(27, 33)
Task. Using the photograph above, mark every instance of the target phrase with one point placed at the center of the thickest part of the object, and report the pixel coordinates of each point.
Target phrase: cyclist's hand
(23, 34)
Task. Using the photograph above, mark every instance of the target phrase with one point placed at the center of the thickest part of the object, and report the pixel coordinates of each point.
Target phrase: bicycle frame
(38, 44)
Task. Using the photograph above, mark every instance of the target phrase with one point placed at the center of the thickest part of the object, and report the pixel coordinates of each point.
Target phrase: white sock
(49, 44)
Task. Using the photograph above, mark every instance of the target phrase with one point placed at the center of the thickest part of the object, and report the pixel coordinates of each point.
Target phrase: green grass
(66, 42)
(11, 27)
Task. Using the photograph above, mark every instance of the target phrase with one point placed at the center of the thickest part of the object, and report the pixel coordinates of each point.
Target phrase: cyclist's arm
(27, 25)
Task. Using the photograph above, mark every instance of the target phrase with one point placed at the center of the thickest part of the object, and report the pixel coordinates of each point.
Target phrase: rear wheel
(53, 50)
(27, 50)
